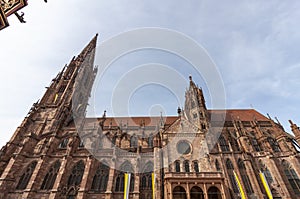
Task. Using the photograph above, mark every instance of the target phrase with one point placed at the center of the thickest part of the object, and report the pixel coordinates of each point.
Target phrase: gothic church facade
(47, 157)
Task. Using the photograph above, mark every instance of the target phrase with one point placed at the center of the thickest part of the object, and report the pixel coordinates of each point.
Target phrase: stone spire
(195, 108)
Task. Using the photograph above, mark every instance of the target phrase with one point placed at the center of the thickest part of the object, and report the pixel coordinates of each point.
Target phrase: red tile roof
(242, 114)
(218, 115)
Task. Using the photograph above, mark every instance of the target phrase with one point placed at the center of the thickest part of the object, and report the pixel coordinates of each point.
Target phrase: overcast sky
(254, 44)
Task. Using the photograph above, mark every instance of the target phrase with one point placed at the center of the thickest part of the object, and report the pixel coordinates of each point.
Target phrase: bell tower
(41, 130)
(195, 108)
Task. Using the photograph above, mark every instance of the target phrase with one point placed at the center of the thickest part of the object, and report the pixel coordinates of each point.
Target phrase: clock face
(184, 147)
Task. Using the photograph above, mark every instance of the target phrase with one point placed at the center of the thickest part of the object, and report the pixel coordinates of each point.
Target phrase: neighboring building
(45, 158)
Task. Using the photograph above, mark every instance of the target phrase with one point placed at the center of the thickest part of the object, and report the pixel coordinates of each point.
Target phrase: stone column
(136, 189)
(109, 188)
(84, 182)
(205, 191)
(188, 194)
(170, 191)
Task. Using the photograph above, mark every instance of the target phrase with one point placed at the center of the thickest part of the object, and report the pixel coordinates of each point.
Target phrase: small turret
(295, 130)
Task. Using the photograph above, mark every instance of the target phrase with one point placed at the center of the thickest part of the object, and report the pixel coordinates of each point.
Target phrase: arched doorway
(179, 193)
(197, 193)
(214, 193)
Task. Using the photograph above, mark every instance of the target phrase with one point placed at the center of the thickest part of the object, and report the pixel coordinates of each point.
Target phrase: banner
(239, 186)
(153, 185)
(127, 177)
(266, 185)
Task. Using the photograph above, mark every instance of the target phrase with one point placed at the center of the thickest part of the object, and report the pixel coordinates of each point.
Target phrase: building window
(217, 165)
(230, 169)
(64, 143)
(245, 177)
(76, 174)
(255, 144)
(120, 176)
(196, 167)
(274, 144)
(100, 179)
(62, 88)
(146, 178)
(187, 166)
(113, 141)
(150, 141)
(292, 177)
(133, 142)
(193, 104)
(235, 145)
(268, 175)
(23, 182)
(183, 147)
(50, 177)
(177, 166)
(266, 172)
(223, 144)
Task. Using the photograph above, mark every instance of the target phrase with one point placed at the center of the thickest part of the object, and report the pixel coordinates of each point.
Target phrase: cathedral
(59, 153)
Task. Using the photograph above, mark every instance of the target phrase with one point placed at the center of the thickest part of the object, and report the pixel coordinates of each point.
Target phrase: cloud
(254, 44)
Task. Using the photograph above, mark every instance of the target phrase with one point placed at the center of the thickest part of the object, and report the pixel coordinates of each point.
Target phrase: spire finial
(190, 77)
(90, 47)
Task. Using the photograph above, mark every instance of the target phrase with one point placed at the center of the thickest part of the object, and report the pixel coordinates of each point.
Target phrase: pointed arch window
(113, 141)
(177, 166)
(266, 172)
(100, 179)
(217, 165)
(255, 144)
(23, 182)
(64, 143)
(236, 145)
(196, 167)
(125, 168)
(268, 175)
(150, 141)
(76, 174)
(274, 144)
(230, 168)
(146, 177)
(223, 144)
(245, 177)
(187, 166)
(50, 177)
(291, 176)
(133, 142)
(233, 141)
